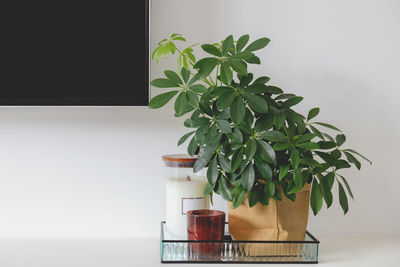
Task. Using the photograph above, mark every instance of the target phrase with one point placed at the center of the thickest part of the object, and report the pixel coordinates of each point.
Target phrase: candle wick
(188, 178)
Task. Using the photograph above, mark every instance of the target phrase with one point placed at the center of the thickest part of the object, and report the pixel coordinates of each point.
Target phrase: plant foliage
(246, 130)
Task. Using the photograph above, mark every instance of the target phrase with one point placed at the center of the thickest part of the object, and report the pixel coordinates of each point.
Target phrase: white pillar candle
(182, 195)
(184, 192)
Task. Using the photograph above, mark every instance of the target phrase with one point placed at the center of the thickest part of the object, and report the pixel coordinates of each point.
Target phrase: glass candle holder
(184, 191)
(205, 225)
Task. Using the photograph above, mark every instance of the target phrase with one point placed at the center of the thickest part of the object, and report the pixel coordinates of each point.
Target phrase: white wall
(83, 171)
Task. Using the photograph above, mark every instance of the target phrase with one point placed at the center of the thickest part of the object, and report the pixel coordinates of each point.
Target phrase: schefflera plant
(247, 132)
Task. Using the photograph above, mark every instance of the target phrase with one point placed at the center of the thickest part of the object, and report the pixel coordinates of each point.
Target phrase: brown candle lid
(179, 160)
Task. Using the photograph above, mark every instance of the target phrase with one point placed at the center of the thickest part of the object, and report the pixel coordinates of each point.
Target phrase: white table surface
(121, 252)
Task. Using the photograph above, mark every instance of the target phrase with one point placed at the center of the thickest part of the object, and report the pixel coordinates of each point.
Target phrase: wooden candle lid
(179, 160)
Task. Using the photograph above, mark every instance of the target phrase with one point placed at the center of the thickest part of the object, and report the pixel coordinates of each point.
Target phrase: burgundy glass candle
(206, 225)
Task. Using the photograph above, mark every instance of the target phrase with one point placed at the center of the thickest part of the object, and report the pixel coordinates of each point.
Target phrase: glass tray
(230, 251)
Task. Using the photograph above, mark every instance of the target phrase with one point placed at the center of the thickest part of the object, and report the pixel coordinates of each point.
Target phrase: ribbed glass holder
(235, 251)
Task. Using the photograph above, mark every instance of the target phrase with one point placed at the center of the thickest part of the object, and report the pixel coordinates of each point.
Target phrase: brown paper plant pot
(279, 221)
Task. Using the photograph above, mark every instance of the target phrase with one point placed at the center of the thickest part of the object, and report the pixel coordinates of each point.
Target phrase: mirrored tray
(235, 251)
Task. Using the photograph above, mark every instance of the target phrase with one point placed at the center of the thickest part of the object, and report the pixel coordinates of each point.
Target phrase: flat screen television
(68, 52)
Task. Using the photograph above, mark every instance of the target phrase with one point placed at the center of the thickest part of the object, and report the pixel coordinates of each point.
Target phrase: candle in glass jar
(184, 192)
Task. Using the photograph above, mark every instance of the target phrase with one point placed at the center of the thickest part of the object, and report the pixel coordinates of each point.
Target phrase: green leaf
(277, 195)
(257, 103)
(206, 66)
(180, 103)
(212, 172)
(245, 80)
(198, 88)
(347, 186)
(202, 162)
(327, 126)
(343, 199)
(254, 196)
(264, 123)
(160, 100)
(317, 132)
(155, 53)
(212, 140)
(310, 162)
(340, 164)
(326, 157)
(267, 152)
(193, 99)
(269, 188)
(241, 43)
(236, 146)
(336, 153)
(163, 83)
(263, 168)
(261, 80)
(224, 126)
(326, 192)
(208, 190)
(173, 76)
(237, 159)
(330, 179)
(227, 44)
(355, 152)
(291, 102)
(296, 118)
(192, 147)
(308, 145)
(225, 100)
(226, 74)
(242, 55)
(257, 88)
(294, 158)
(238, 66)
(281, 146)
(305, 138)
(326, 144)
(225, 189)
(273, 90)
(285, 96)
(312, 113)
(274, 136)
(264, 199)
(185, 74)
(220, 90)
(352, 159)
(179, 38)
(184, 138)
(248, 178)
(279, 119)
(298, 178)
(315, 197)
(258, 44)
(236, 136)
(211, 50)
(340, 139)
(224, 162)
(283, 171)
(251, 149)
(194, 79)
(327, 136)
(238, 199)
(238, 110)
(201, 134)
(253, 60)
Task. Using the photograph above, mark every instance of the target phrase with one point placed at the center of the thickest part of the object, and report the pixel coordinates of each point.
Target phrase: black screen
(74, 52)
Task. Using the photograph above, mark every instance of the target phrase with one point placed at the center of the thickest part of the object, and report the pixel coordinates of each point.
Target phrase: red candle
(205, 225)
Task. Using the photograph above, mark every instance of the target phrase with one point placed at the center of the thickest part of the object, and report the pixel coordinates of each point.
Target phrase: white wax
(182, 195)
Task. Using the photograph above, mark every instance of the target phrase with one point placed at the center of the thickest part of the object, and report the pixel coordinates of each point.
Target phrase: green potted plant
(269, 161)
